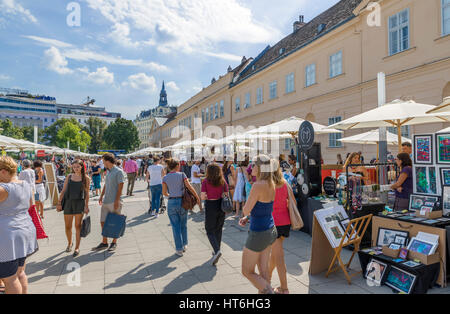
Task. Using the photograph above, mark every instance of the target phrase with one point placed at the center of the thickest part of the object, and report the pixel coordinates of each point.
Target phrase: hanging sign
(306, 136)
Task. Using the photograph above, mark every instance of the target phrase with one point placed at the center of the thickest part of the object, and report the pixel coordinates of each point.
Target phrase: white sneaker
(179, 253)
(184, 248)
(216, 257)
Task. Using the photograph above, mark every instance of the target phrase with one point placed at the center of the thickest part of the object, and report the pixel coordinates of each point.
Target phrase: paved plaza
(145, 263)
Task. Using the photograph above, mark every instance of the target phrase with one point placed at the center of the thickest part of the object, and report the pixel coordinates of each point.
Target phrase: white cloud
(8, 7)
(185, 25)
(71, 52)
(4, 77)
(101, 76)
(55, 61)
(141, 81)
(173, 86)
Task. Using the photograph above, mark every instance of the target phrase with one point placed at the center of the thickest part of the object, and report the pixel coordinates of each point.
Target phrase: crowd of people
(260, 190)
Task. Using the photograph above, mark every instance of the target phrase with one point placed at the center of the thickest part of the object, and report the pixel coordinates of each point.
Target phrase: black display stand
(427, 275)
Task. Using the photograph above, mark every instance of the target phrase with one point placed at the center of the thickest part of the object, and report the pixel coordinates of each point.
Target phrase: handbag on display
(114, 226)
(226, 204)
(294, 215)
(37, 221)
(86, 227)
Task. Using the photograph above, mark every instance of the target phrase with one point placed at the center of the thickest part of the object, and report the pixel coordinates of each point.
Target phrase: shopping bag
(37, 221)
(294, 214)
(86, 226)
(114, 226)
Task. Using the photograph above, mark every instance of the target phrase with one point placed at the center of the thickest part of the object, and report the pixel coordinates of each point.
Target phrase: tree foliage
(95, 127)
(73, 133)
(10, 130)
(50, 133)
(122, 134)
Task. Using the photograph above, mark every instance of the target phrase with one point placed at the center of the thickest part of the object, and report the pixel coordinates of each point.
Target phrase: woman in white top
(28, 174)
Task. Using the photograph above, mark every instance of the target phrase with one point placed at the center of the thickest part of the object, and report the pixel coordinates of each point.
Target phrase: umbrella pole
(399, 134)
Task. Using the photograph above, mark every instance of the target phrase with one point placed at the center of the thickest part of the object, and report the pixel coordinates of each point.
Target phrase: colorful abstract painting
(423, 149)
(421, 180)
(445, 176)
(443, 148)
(400, 280)
(432, 180)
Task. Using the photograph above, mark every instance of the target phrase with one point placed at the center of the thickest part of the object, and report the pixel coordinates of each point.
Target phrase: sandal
(76, 253)
(280, 290)
(69, 248)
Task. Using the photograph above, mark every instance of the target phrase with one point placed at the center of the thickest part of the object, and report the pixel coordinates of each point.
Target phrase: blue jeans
(178, 219)
(156, 191)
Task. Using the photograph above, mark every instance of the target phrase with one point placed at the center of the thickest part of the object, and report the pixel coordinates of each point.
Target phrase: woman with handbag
(175, 184)
(263, 232)
(214, 189)
(283, 223)
(75, 194)
(18, 238)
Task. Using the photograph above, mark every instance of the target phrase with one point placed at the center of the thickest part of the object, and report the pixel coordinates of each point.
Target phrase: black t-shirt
(94, 170)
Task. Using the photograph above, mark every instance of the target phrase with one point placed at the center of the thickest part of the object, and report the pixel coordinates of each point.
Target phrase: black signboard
(330, 186)
(306, 136)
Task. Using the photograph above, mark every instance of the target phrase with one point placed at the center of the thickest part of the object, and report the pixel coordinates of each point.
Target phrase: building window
(238, 104)
(207, 115)
(406, 131)
(247, 101)
(445, 17)
(273, 90)
(211, 113)
(290, 83)
(336, 64)
(310, 75)
(288, 143)
(334, 139)
(399, 32)
(203, 115)
(216, 111)
(222, 108)
(259, 96)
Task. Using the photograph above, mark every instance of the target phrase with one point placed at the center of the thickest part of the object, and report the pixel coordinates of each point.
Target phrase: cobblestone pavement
(145, 263)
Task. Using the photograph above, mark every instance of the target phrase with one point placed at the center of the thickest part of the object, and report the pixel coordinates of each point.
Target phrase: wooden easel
(324, 256)
(355, 231)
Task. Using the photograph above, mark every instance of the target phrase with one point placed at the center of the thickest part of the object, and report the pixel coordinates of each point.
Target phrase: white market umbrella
(397, 113)
(8, 142)
(205, 141)
(444, 107)
(372, 138)
(291, 126)
(447, 130)
(248, 137)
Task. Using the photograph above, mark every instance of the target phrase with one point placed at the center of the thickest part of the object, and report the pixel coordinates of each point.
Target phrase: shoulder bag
(86, 226)
(294, 215)
(189, 200)
(226, 204)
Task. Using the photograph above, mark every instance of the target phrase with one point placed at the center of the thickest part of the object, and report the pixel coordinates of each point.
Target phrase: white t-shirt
(139, 163)
(195, 169)
(101, 165)
(155, 174)
(28, 176)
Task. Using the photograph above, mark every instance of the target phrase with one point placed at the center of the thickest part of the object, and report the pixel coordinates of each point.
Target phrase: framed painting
(445, 176)
(425, 180)
(446, 200)
(423, 149)
(417, 201)
(443, 148)
(400, 280)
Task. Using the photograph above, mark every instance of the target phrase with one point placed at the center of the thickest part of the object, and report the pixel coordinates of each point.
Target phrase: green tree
(95, 127)
(28, 134)
(51, 132)
(10, 130)
(76, 137)
(122, 134)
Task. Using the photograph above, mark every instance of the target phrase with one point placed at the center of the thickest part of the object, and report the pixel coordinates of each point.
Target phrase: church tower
(163, 97)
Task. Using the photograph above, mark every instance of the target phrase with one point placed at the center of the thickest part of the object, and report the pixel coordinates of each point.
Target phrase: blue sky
(124, 49)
